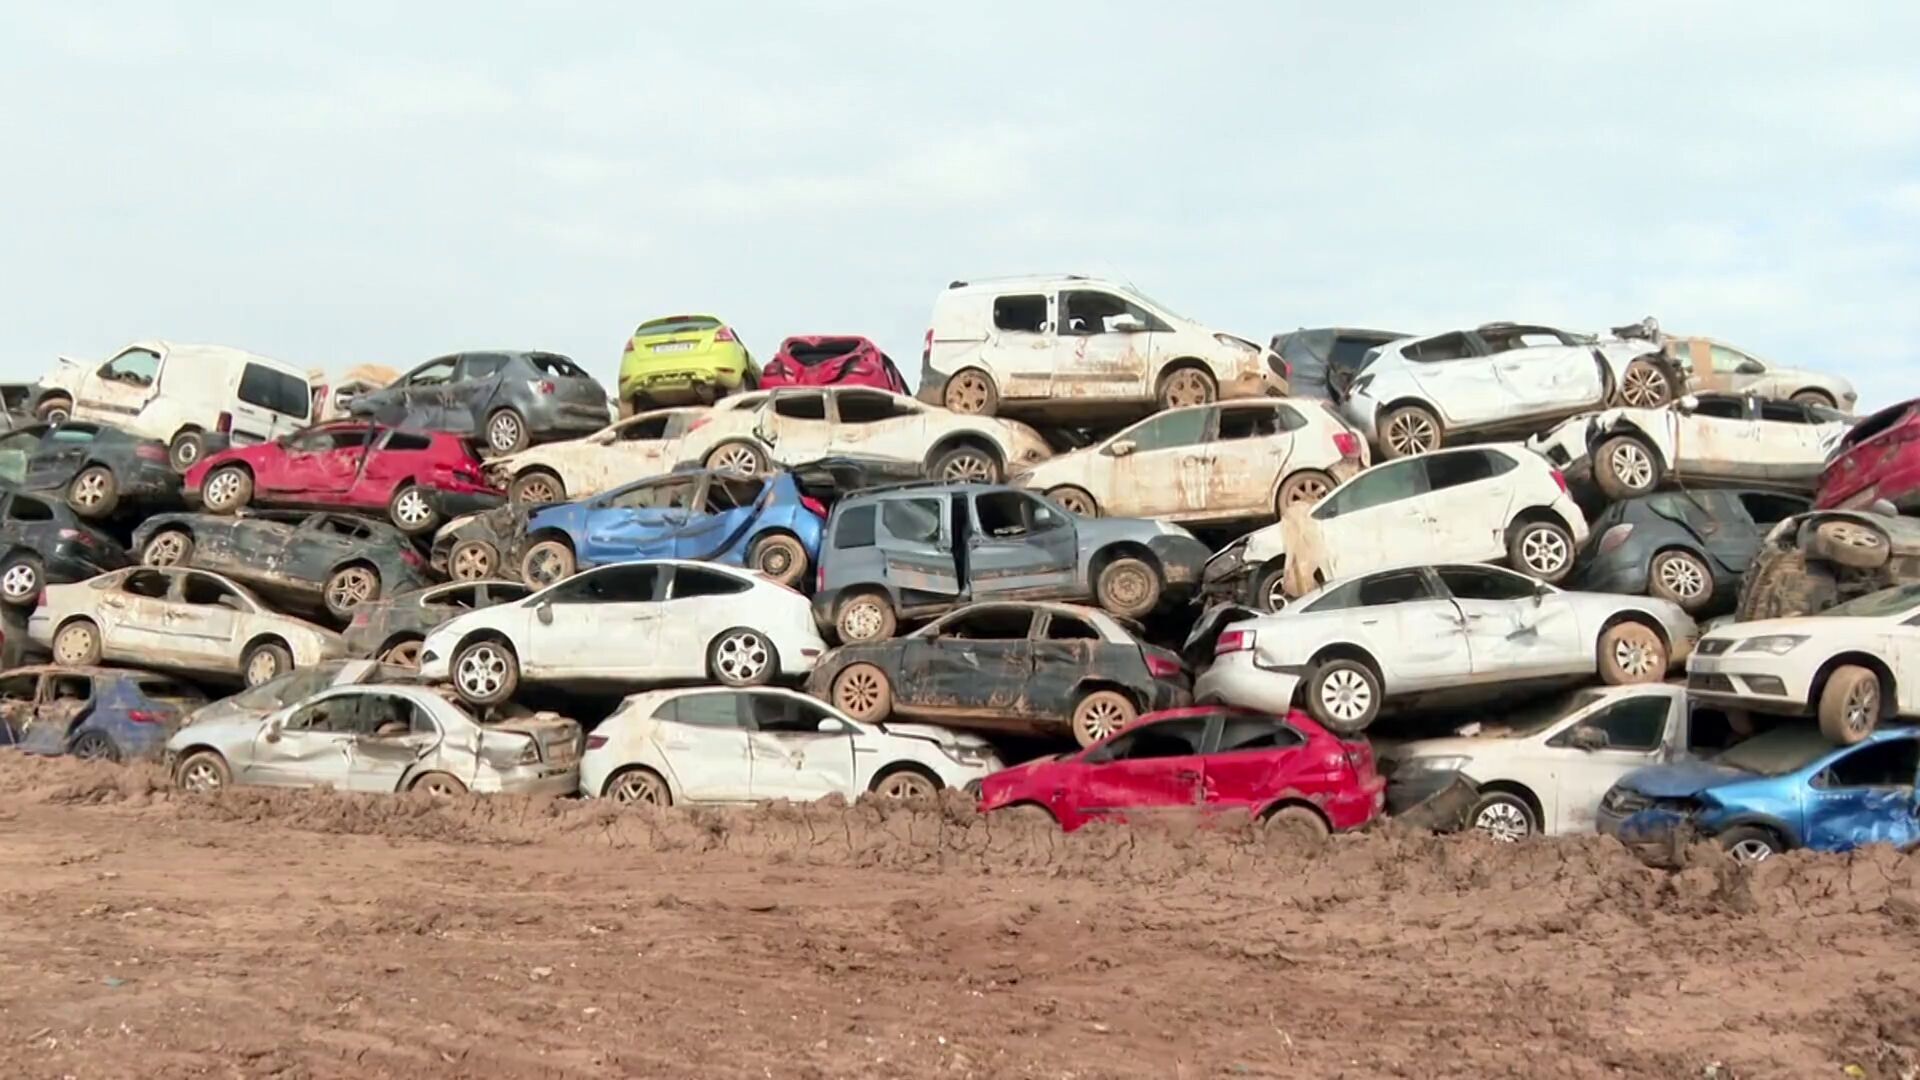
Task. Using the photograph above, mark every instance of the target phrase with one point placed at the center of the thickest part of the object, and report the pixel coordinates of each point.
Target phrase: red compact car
(419, 479)
(831, 361)
(1209, 758)
(1878, 459)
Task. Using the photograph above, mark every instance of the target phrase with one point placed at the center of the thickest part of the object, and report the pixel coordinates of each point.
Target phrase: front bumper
(1436, 799)
(1754, 681)
(1236, 680)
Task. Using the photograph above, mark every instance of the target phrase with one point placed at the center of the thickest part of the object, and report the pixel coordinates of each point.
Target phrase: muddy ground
(310, 934)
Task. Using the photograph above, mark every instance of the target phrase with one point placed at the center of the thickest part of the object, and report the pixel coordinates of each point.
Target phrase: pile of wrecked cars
(1102, 562)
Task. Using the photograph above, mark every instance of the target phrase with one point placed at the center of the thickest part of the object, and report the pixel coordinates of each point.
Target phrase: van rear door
(267, 404)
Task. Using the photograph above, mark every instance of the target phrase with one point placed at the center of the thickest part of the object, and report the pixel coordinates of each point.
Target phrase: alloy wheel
(201, 776)
(352, 586)
(1645, 386)
(1631, 465)
(1502, 821)
(1544, 552)
(167, 549)
(639, 787)
(90, 489)
(412, 508)
(971, 467)
(19, 582)
(471, 562)
(739, 460)
(742, 657)
(906, 785)
(503, 434)
(1411, 433)
(1635, 656)
(483, 671)
(223, 489)
(1751, 851)
(1187, 387)
(862, 620)
(1862, 709)
(1103, 718)
(1346, 695)
(1682, 578)
(968, 393)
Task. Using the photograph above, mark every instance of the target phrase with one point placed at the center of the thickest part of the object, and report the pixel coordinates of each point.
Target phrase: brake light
(224, 424)
(1162, 668)
(80, 536)
(926, 351)
(814, 505)
(144, 716)
(724, 334)
(628, 349)
(1613, 538)
(541, 386)
(1233, 641)
(595, 742)
(411, 556)
(150, 452)
(1347, 443)
(1560, 479)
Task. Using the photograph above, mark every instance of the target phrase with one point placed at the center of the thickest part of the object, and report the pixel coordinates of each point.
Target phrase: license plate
(674, 346)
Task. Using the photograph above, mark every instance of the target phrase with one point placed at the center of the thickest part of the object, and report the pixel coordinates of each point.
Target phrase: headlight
(966, 753)
(1774, 644)
(1433, 764)
(1237, 344)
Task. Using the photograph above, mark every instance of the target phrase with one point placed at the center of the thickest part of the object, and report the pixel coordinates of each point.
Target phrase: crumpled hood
(1740, 631)
(935, 734)
(1681, 780)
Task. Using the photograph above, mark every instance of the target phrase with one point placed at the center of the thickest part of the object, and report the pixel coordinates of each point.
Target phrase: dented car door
(300, 750)
(381, 758)
(792, 757)
(205, 618)
(1865, 796)
(1546, 372)
(794, 424)
(1251, 445)
(1714, 438)
(917, 541)
(704, 739)
(1156, 766)
(1161, 467)
(1512, 625)
(1020, 546)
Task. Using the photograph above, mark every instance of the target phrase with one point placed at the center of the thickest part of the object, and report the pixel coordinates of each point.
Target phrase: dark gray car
(508, 400)
(1322, 363)
(920, 550)
(391, 630)
(330, 562)
(99, 469)
(1690, 547)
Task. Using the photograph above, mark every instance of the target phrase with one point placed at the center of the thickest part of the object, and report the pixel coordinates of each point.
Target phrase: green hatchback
(682, 360)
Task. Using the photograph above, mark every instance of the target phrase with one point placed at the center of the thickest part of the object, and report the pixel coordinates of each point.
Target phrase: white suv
(1069, 347)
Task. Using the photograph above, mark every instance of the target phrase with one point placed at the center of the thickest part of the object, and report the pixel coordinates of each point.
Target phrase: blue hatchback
(95, 713)
(763, 523)
(1786, 788)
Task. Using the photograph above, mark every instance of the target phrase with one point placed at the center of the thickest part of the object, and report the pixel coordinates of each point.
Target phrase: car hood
(935, 734)
(1740, 631)
(1682, 779)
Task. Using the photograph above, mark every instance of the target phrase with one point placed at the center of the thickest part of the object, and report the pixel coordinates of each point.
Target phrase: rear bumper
(1353, 808)
(549, 780)
(1235, 680)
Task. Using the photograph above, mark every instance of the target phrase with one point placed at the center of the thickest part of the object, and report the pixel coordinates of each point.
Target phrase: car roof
(95, 670)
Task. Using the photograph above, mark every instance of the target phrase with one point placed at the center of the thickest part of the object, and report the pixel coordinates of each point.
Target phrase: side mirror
(545, 612)
(1687, 403)
(1751, 367)
(273, 731)
(1123, 447)
(1589, 738)
(1125, 324)
(830, 726)
(1884, 508)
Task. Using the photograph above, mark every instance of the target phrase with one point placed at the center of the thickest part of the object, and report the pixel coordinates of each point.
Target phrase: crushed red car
(1878, 459)
(1282, 770)
(417, 478)
(831, 361)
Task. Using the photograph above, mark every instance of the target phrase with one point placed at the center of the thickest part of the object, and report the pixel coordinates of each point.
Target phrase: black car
(391, 630)
(44, 542)
(482, 545)
(1015, 668)
(1690, 547)
(98, 469)
(334, 562)
(507, 400)
(1323, 363)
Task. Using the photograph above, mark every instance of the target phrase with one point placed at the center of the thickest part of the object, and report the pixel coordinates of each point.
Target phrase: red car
(417, 478)
(1208, 758)
(831, 361)
(1878, 459)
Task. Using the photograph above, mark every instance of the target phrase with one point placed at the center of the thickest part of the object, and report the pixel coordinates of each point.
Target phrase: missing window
(1020, 314)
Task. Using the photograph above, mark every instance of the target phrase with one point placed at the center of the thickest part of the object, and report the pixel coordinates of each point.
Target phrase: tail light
(926, 351)
(79, 536)
(541, 386)
(1347, 443)
(411, 556)
(145, 716)
(1162, 668)
(595, 742)
(150, 452)
(627, 348)
(1613, 537)
(813, 505)
(1233, 641)
(361, 618)
(224, 424)
(1560, 479)
(724, 334)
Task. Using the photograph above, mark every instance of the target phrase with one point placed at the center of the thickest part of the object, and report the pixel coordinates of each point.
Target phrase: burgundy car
(417, 478)
(1209, 758)
(1878, 459)
(831, 361)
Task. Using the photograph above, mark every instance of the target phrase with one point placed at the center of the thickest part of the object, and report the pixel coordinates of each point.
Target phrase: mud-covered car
(44, 541)
(480, 546)
(633, 449)
(330, 562)
(1877, 461)
(98, 469)
(298, 685)
(1811, 562)
(920, 550)
(92, 713)
(832, 360)
(1716, 365)
(509, 400)
(1322, 363)
(391, 629)
(1690, 547)
(1053, 670)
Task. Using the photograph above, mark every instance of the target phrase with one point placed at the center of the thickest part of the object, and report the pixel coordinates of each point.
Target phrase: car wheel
(406, 654)
(1849, 704)
(1632, 652)
(538, 489)
(905, 782)
(186, 450)
(55, 411)
(1750, 844)
(412, 510)
(1817, 398)
(742, 657)
(1296, 822)
(77, 644)
(229, 488)
(1541, 549)
(865, 617)
(971, 391)
(1645, 385)
(966, 465)
(546, 563)
(1409, 430)
(349, 587)
(1075, 501)
(485, 672)
(438, 784)
(1850, 544)
(203, 773)
(1343, 695)
(506, 432)
(1269, 591)
(1187, 387)
(1304, 488)
(1503, 816)
(94, 493)
(1624, 467)
(739, 458)
(94, 746)
(863, 692)
(639, 785)
(1681, 577)
(1101, 714)
(1128, 587)
(472, 560)
(780, 557)
(22, 579)
(264, 663)
(170, 548)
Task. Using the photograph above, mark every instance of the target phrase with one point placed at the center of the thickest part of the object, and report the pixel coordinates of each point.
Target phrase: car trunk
(557, 736)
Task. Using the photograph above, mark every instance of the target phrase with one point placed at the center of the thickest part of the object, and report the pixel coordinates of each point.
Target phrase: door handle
(1369, 622)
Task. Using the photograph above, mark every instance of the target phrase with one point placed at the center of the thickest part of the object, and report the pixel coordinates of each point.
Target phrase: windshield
(663, 327)
(1895, 601)
(289, 688)
(1157, 305)
(1538, 718)
(1777, 752)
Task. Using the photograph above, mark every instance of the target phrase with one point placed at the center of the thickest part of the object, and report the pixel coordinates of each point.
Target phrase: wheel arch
(1788, 837)
(905, 765)
(661, 770)
(1286, 801)
(265, 637)
(979, 440)
(1635, 615)
(1090, 684)
(1623, 427)
(1519, 791)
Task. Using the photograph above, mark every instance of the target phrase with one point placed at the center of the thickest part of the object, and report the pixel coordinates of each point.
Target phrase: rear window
(161, 690)
(407, 440)
(662, 327)
(813, 353)
(275, 391)
(557, 366)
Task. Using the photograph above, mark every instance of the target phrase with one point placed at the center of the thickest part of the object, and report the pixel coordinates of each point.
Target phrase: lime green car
(681, 360)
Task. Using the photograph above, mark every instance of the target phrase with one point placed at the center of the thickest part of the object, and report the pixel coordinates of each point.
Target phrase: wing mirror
(1884, 508)
(544, 612)
(1589, 738)
(1125, 324)
(1123, 447)
(830, 726)
(273, 731)
(1687, 404)
(1751, 367)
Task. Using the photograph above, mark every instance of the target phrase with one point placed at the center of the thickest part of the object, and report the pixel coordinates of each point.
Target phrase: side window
(1770, 509)
(1166, 739)
(504, 592)
(866, 407)
(1725, 361)
(1688, 509)
(1485, 583)
(670, 495)
(1007, 514)
(1720, 408)
(1403, 479)
(1452, 470)
(721, 710)
(780, 715)
(1087, 311)
(726, 493)
(689, 582)
(201, 589)
(26, 508)
(1399, 587)
(1068, 628)
(1784, 412)
(1637, 724)
(1522, 337)
(646, 430)
(480, 366)
(1026, 314)
(407, 440)
(19, 688)
(1445, 347)
(800, 406)
(1888, 763)
(67, 434)
(1254, 422)
(1167, 431)
(555, 365)
(275, 391)
(135, 367)
(913, 520)
(459, 597)
(1340, 599)
(151, 583)
(631, 583)
(433, 374)
(855, 528)
(989, 624)
(70, 688)
(1243, 734)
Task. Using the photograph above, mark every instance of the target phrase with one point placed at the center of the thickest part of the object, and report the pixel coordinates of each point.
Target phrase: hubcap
(1410, 433)
(776, 560)
(1750, 851)
(223, 489)
(1187, 388)
(261, 668)
(18, 581)
(91, 488)
(905, 785)
(1645, 386)
(1634, 655)
(472, 562)
(187, 452)
(202, 776)
(1544, 551)
(504, 432)
(967, 394)
(1631, 466)
(859, 693)
(1502, 821)
(737, 459)
(1103, 718)
(412, 509)
(861, 621)
(637, 788)
(1346, 695)
(742, 657)
(1074, 503)
(1276, 593)
(166, 550)
(1306, 491)
(483, 671)
(352, 587)
(439, 787)
(1851, 535)
(1682, 577)
(74, 646)
(967, 468)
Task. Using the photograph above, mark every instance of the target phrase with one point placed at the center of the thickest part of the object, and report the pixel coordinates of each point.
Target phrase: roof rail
(958, 284)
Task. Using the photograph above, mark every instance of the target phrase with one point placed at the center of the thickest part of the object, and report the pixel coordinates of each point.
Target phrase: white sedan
(629, 624)
(1223, 462)
(1851, 666)
(718, 745)
(178, 619)
(633, 449)
(1428, 636)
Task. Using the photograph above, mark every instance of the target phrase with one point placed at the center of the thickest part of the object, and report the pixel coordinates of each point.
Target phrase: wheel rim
(504, 432)
(1683, 577)
(1188, 387)
(538, 489)
(638, 787)
(74, 646)
(1345, 695)
(90, 749)
(1751, 851)
(18, 582)
(1543, 551)
(1102, 718)
(439, 787)
(742, 657)
(351, 587)
(166, 550)
(201, 776)
(186, 452)
(776, 559)
(967, 394)
(1645, 386)
(1276, 593)
(1410, 433)
(1635, 654)
(483, 671)
(1631, 466)
(1075, 503)
(412, 508)
(737, 459)
(472, 562)
(1129, 587)
(1306, 490)
(1502, 821)
(91, 489)
(968, 467)
(262, 668)
(862, 620)
(224, 489)
(906, 785)
(858, 693)
(1862, 708)
(546, 564)
(406, 654)
(1850, 535)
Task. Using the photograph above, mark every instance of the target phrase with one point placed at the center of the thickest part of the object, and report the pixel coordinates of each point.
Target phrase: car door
(338, 459)
(471, 392)
(392, 735)
(207, 619)
(1865, 796)
(704, 737)
(869, 423)
(1543, 370)
(1020, 545)
(267, 404)
(310, 744)
(1104, 348)
(795, 425)
(1252, 444)
(916, 536)
(978, 659)
(1515, 626)
(1161, 466)
(639, 521)
(1020, 351)
(1156, 766)
(1457, 376)
(1794, 440)
(793, 757)
(1361, 525)
(137, 616)
(53, 455)
(1412, 628)
(20, 452)
(604, 622)
(1633, 729)
(1714, 439)
(418, 400)
(1468, 504)
(725, 508)
(1254, 758)
(120, 388)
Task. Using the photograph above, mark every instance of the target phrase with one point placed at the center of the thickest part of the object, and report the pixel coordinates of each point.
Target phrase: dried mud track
(310, 934)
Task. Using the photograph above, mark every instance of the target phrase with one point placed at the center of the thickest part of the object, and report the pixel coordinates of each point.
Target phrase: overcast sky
(388, 182)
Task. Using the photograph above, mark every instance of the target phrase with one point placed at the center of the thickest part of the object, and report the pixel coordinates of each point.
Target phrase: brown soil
(310, 934)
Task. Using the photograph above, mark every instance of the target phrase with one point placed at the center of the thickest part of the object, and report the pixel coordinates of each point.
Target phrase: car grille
(1715, 646)
(1713, 684)
(1624, 801)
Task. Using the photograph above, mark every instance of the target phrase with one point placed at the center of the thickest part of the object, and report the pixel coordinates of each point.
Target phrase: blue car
(1782, 789)
(94, 713)
(763, 523)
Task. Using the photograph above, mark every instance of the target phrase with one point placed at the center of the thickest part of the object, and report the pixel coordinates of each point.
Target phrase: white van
(1068, 347)
(181, 395)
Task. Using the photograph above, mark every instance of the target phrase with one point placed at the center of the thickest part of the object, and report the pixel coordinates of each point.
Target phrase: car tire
(1542, 550)
(94, 493)
(548, 562)
(1343, 695)
(739, 458)
(264, 663)
(1128, 587)
(1817, 398)
(971, 392)
(439, 785)
(203, 773)
(1503, 816)
(1750, 844)
(1646, 384)
(965, 464)
(864, 617)
(77, 644)
(1781, 584)
(22, 579)
(1304, 488)
(1625, 467)
(637, 784)
(403, 654)
(1075, 500)
(1186, 387)
(1270, 586)
(1681, 577)
(863, 692)
(186, 450)
(226, 489)
(1849, 544)
(1297, 822)
(781, 557)
(349, 587)
(485, 672)
(507, 432)
(412, 511)
(170, 547)
(1630, 653)
(1849, 707)
(1101, 714)
(472, 560)
(537, 487)
(906, 782)
(55, 410)
(1410, 430)
(741, 656)
(94, 746)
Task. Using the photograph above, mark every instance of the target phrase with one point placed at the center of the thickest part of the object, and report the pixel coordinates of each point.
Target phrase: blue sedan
(763, 523)
(1787, 788)
(92, 712)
